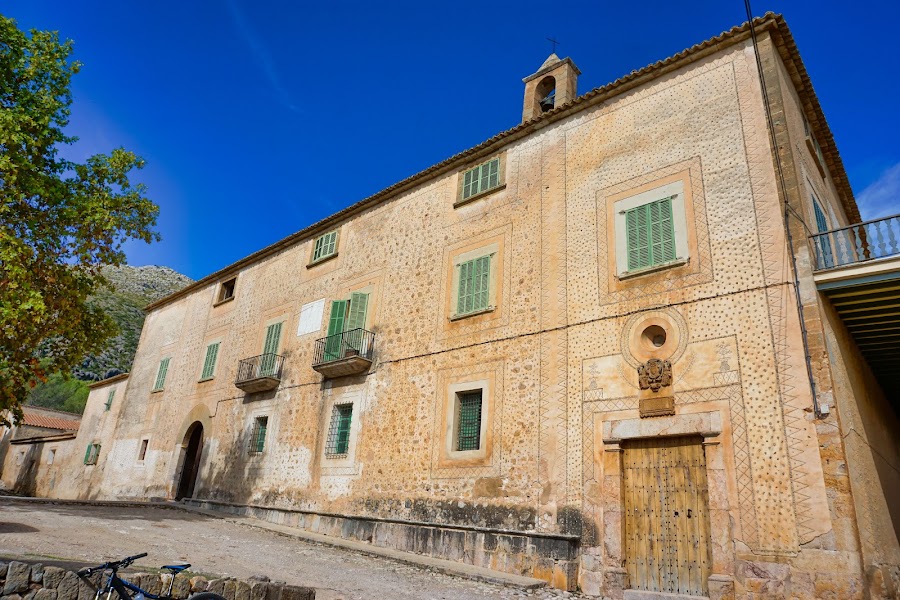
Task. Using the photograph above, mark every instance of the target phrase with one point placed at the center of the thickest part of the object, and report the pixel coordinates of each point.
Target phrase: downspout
(785, 216)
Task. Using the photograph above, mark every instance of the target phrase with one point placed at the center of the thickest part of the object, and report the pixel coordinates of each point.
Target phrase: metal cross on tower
(554, 42)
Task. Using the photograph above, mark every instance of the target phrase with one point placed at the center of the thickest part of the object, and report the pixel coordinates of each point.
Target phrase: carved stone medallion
(655, 374)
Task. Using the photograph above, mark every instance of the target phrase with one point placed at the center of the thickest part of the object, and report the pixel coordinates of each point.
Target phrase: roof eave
(735, 35)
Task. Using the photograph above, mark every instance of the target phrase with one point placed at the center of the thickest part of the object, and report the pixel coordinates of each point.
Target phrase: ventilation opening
(654, 337)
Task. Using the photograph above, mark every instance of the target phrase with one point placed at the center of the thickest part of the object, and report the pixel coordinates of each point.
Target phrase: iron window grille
(468, 421)
(258, 435)
(338, 442)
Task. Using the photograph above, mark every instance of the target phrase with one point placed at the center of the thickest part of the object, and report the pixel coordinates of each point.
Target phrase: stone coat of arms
(655, 374)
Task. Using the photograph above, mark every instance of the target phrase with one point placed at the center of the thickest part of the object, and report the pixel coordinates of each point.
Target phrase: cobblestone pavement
(95, 534)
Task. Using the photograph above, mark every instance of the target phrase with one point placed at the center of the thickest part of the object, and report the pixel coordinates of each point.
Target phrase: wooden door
(666, 515)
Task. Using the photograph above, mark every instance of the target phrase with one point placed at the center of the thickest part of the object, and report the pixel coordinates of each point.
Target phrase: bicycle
(129, 591)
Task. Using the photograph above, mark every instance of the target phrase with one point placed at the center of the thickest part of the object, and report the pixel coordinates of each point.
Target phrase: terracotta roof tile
(37, 419)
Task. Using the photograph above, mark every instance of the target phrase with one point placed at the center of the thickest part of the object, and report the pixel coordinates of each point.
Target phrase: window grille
(468, 421)
(258, 435)
(338, 442)
(482, 178)
(326, 245)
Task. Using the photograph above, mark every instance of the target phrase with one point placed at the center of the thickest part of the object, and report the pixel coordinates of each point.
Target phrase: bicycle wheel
(206, 596)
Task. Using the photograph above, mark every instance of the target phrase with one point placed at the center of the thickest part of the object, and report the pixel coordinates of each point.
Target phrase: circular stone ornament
(659, 333)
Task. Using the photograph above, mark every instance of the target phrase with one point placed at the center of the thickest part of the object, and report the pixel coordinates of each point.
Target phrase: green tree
(61, 392)
(59, 220)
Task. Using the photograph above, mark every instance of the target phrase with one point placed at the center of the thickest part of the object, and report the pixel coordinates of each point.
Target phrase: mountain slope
(133, 288)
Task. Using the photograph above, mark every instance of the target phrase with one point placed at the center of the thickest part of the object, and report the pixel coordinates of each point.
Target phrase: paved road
(215, 547)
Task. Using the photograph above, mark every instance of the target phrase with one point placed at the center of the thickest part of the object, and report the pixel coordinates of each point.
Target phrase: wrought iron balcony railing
(857, 243)
(344, 353)
(259, 373)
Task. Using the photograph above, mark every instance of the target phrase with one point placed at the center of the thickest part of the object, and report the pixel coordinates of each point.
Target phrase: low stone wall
(553, 558)
(24, 581)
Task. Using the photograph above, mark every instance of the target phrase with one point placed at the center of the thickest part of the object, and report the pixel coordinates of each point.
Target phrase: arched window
(545, 94)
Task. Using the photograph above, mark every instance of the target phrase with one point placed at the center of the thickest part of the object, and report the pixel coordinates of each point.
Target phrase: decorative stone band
(27, 581)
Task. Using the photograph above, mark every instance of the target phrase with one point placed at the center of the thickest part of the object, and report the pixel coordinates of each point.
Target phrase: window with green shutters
(482, 178)
(325, 246)
(338, 443)
(473, 288)
(92, 454)
(468, 421)
(823, 243)
(209, 364)
(161, 374)
(258, 435)
(269, 359)
(345, 325)
(650, 232)
(109, 399)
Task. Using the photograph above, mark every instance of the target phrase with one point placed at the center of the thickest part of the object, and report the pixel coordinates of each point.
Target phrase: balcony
(259, 373)
(858, 268)
(347, 353)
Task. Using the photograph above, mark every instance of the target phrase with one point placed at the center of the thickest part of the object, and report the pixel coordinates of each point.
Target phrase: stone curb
(447, 567)
(440, 565)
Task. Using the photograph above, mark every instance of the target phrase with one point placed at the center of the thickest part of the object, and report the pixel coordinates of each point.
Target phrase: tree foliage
(59, 220)
(61, 392)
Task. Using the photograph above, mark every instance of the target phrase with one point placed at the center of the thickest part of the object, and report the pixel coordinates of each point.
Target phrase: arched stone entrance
(191, 449)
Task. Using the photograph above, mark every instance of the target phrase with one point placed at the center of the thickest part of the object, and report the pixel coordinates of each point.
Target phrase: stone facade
(556, 354)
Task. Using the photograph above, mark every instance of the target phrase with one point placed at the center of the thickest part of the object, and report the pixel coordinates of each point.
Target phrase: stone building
(28, 450)
(604, 348)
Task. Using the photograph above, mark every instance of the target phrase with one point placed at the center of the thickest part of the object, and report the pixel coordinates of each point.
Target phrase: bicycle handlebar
(118, 564)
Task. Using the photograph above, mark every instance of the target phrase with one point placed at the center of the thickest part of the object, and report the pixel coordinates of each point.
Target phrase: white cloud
(882, 197)
(263, 59)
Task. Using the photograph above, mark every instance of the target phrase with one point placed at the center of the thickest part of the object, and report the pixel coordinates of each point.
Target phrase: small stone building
(608, 347)
(28, 450)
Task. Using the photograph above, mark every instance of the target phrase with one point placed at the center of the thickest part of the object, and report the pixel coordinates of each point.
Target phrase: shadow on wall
(231, 475)
(26, 480)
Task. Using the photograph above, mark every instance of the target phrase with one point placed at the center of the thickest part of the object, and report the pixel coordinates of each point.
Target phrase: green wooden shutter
(662, 231)
(358, 305)
(650, 234)
(345, 416)
(109, 398)
(161, 374)
(259, 434)
(335, 329)
(493, 173)
(270, 350)
(325, 245)
(209, 365)
(87, 453)
(824, 252)
(467, 183)
(473, 291)
(468, 424)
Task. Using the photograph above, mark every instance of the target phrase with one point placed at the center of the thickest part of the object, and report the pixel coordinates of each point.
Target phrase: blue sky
(257, 118)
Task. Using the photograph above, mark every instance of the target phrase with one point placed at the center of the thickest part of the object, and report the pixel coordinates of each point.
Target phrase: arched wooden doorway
(192, 448)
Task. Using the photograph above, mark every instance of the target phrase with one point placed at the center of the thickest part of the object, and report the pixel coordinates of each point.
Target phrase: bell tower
(554, 84)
